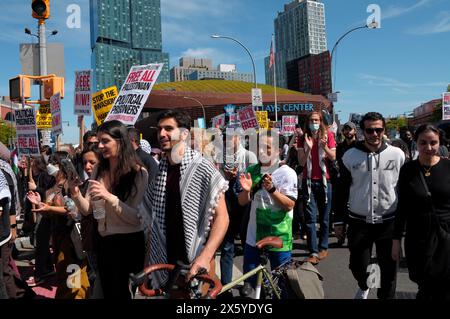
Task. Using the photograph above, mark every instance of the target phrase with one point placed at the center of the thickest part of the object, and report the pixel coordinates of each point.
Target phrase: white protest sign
(446, 106)
(248, 118)
(26, 132)
(83, 92)
(134, 93)
(218, 121)
(55, 107)
(257, 97)
(288, 123)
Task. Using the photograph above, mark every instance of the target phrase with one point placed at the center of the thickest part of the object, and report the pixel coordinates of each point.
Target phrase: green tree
(396, 123)
(7, 131)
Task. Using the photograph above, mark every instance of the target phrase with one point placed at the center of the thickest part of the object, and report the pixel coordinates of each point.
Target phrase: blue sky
(391, 70)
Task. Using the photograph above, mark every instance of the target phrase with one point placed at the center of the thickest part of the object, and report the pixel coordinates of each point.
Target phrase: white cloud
(439, 25)
(395, 84)
(395, 11)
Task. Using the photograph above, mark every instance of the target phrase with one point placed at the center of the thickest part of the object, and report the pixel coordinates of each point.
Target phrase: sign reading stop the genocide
(83, 92)
(134, 93)
(44, 117)
(26, 132)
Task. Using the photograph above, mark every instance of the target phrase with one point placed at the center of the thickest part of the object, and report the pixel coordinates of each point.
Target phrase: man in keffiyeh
(316, 151)
(184, 212)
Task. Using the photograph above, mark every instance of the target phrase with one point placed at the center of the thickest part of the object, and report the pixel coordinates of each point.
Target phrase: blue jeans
(226, 259)
(252, 260)
(317, 206)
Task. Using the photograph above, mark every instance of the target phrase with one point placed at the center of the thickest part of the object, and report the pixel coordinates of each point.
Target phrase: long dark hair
(426, 128)
(56, 159)
(128, 163)
(322, 130)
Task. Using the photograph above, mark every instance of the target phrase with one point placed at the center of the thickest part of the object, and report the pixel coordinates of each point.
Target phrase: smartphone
(72, 174)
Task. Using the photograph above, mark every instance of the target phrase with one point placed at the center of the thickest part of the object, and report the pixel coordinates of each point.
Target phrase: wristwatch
(272, 190)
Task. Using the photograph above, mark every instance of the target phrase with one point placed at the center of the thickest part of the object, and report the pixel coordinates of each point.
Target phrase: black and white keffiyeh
(4, 188)
(4, 166)
(201, 185)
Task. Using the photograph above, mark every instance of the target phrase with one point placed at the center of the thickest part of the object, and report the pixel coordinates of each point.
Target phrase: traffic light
(52, 86)
(41, 9)
(15, 88)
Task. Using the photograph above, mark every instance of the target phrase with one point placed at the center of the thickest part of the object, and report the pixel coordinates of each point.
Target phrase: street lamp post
(215, 36)
(372, 25)
(200, 103)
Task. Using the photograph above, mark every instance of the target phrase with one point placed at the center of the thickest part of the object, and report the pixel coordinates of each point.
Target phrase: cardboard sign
(263, 119)
(44, 117)
(247, 117)
(446, 106)
(26, 132)
(134, 93)
(102, 102)
(55, 107)
(288, 123)
(83, 93)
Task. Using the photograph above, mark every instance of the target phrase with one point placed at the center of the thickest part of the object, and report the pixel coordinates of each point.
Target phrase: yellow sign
(44, 117)
(263, 119)
(102, 102)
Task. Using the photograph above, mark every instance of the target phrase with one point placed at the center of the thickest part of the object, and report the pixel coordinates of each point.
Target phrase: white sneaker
(362, 294)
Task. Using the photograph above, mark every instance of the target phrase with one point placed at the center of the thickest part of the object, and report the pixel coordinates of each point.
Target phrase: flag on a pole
(272, 55)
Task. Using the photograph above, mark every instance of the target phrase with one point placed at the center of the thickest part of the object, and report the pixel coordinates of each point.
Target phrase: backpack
(302, 281)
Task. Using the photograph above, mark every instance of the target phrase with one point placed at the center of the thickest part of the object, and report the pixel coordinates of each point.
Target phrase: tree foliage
(7, 131)
(396, 123)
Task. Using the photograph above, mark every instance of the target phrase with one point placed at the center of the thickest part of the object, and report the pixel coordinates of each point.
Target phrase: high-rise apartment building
(125, 33)
(299, 31)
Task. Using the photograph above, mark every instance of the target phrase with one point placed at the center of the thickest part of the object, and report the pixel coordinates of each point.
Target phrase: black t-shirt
(176, 250)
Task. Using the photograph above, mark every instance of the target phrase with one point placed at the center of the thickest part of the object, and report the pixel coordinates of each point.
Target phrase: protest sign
(218, 121)
(247, 117)
(446, 106)
(288, 123)
(134, 93)
(26, 132)
(44, 117)
(263, 119)
(55, 107)
(82, 100)
(102, 102)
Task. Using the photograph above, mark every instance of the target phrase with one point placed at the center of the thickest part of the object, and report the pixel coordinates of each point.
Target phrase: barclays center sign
(287, 107)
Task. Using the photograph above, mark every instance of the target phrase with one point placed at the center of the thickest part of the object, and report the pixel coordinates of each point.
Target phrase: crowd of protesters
(98, 213)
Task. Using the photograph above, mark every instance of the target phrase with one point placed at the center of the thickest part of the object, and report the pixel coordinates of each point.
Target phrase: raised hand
(98, 191)
(34, 197)
(246, 182)
(308, 141)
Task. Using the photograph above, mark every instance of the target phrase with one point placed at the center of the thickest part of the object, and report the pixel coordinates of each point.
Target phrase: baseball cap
(350, 124)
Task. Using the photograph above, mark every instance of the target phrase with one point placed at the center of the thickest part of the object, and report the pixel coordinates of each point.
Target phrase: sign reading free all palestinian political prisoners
(134, 93)
(82, 101)
(26, 132)
(102, 101)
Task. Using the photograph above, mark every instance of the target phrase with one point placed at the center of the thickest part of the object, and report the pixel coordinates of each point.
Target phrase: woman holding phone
(116, 187)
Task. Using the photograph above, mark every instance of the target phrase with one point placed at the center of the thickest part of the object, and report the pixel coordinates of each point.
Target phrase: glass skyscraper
(299, 31)
(125, 33)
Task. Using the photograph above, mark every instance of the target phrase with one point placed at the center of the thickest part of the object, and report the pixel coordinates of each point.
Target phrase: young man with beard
(366, 193)
(184, 211)
(272, 191)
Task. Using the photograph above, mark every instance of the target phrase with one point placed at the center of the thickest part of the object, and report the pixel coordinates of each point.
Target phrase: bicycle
(265, 279)
(176, 287)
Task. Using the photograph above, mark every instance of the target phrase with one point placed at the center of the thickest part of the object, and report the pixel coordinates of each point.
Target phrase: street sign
(257, 97)
(332, 97)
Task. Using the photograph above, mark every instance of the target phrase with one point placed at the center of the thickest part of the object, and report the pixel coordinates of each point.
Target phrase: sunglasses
(378, 130)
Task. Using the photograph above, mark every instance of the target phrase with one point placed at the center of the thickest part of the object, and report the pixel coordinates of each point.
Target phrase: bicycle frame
(260, 271)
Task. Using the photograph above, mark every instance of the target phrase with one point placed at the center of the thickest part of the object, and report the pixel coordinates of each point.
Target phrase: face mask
(314, 126)
(52, 169)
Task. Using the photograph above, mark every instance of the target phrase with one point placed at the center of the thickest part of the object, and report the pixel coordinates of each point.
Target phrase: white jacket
(368, 182)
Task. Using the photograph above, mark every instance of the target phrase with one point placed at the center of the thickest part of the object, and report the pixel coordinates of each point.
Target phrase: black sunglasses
(369, 130)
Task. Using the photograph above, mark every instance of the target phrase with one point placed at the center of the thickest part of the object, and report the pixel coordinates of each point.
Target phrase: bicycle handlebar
(141, 280)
